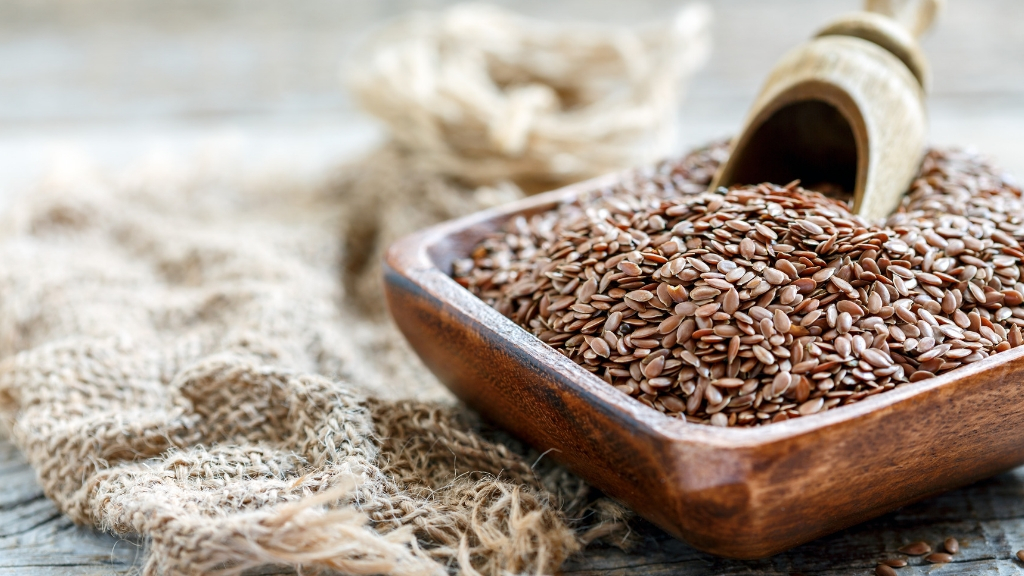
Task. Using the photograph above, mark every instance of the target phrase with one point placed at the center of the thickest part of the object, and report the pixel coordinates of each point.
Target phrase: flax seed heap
(763, 303)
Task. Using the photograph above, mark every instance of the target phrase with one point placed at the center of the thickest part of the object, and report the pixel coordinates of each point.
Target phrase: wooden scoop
(844, 112)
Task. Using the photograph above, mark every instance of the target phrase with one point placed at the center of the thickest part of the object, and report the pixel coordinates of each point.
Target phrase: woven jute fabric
(203, 358)
(199, 358)
(487, 95)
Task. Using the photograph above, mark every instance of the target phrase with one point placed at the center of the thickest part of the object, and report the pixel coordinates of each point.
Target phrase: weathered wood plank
(19, 486)
(27, 516)
(58, 570)
(987, 518)
(35, 538)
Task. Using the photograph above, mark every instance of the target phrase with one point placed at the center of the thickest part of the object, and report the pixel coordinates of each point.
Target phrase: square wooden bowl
(743, 492)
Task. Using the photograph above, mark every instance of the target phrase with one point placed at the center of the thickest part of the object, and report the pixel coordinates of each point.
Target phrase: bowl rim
(414, 258)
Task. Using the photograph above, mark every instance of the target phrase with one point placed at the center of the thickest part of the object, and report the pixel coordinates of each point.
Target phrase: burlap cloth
(201, 358)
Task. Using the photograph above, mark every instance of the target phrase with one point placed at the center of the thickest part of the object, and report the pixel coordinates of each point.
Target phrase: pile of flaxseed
(763, 303)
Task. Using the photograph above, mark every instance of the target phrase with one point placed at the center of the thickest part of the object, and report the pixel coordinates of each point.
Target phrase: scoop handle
(917, 16)
(844, 112)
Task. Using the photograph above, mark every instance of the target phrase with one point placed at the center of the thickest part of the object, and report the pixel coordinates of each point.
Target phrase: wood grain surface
(987, 518)
(116, 81)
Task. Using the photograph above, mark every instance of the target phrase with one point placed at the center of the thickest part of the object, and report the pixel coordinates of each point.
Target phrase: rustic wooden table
(116, 81)
(987, 518)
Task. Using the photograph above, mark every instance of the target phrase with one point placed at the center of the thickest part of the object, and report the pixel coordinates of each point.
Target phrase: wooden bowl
(743, 492)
